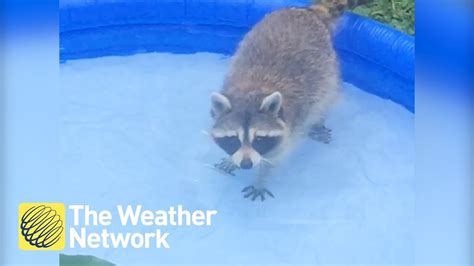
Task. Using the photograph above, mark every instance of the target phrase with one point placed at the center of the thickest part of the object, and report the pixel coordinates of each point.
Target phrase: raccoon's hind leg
(320, 133)
(258, 189)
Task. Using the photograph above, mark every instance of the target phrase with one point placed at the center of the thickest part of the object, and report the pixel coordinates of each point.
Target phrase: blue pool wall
(374, 57)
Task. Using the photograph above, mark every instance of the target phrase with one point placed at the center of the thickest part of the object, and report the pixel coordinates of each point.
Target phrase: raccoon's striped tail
(330, 10)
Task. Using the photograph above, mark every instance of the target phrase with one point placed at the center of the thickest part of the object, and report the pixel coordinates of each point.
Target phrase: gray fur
(289, 51)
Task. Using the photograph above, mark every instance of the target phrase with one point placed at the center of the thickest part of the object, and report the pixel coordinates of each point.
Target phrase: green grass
(400, 14)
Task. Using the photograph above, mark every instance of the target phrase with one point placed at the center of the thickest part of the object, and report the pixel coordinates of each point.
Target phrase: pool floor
(131, 133)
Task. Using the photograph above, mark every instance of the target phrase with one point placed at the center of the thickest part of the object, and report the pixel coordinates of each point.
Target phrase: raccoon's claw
(320, 133)
(226, 166)
(253, 193)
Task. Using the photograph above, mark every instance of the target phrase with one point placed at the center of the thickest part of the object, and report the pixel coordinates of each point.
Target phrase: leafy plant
(398, 13)
(82, 260)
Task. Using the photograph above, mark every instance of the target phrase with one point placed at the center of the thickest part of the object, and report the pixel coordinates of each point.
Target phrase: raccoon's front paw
(320, 133)
(227, 166)
(253, 193)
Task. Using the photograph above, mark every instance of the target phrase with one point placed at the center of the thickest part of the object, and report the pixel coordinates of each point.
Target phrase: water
(131, 133)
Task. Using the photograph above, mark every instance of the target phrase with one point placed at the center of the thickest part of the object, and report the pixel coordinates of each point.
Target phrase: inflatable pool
(125, 128)
(373, 56)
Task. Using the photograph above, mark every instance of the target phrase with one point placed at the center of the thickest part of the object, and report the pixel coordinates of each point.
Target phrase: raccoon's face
(248, 130)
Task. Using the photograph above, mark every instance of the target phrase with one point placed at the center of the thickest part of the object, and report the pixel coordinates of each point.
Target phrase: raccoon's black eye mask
(229, 144)
(265, 144)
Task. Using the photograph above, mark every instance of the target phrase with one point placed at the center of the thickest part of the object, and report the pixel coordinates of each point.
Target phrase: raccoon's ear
(220, 104)
(272, 103)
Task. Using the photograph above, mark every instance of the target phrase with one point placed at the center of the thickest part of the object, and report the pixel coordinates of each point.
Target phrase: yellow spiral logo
(41, 226)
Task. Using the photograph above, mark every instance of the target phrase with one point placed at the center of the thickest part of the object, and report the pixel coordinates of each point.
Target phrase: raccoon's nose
(246, 163)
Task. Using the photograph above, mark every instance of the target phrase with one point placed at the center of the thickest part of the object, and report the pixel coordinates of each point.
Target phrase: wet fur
(289, 51)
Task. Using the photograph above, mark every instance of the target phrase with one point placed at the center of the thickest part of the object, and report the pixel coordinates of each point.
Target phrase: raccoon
(282, 80)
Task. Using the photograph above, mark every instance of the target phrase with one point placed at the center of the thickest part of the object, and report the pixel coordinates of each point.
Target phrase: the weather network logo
(41, 226)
